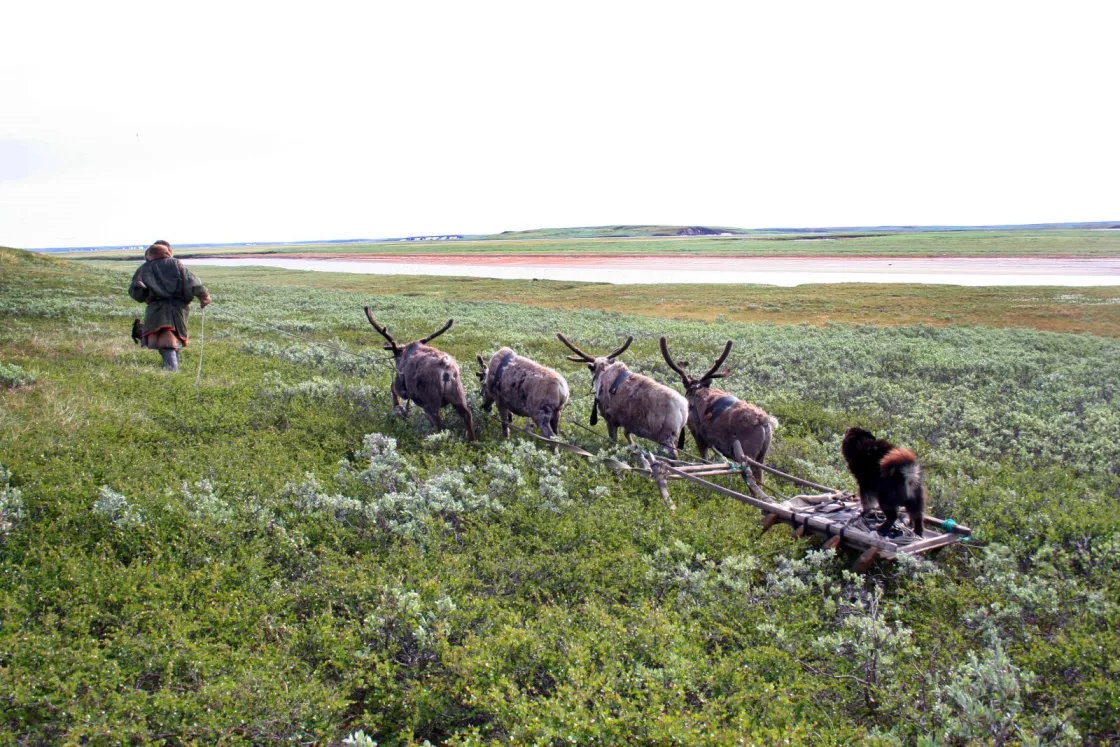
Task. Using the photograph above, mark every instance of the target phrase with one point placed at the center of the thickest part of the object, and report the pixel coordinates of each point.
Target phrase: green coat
(168, 287)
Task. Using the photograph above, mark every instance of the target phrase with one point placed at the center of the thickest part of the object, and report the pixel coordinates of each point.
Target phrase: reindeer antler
(669, 359)
(482, 365)
(712, 371)
(583, 357)
(434, 335)
(384, 332)
(622, 349)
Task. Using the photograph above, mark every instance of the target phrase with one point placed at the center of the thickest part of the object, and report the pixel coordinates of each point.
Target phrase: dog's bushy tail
(901, 465)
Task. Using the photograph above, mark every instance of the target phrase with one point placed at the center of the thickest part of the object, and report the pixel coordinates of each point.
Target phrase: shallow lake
(731, 270)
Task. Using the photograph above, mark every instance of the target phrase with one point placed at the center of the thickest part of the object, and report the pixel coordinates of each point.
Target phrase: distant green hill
(640, 231)
(591, 232)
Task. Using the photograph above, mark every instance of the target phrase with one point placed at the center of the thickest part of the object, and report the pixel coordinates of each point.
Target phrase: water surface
(708, 270)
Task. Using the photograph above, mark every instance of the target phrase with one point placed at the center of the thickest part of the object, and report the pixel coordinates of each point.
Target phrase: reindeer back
(640, 404)
(722, 418)
(429, 376)
(520, 384)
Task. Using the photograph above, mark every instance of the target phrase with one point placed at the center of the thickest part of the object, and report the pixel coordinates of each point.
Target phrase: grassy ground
(1092, 310)
(255, 560)
(1018, 243)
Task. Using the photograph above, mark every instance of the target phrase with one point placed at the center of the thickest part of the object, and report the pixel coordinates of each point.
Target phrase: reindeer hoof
(400, 412)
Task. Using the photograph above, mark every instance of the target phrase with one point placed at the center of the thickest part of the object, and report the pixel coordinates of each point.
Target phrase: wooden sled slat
(833, 514)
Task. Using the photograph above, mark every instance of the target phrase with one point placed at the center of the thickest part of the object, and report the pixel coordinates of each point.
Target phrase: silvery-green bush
(12, 375)
(116, 508)
(11, 503)
(383, 489)
(332, 356)
(204, 504)
(982, 702)
(319, 390)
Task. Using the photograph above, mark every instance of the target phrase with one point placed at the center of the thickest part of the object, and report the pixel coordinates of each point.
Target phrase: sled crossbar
(833, 514)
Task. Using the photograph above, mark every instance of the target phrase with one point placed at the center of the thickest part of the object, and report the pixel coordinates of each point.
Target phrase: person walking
(168, 287)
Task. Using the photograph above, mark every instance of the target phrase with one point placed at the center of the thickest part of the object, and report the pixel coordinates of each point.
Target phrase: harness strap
(716, 408)
(408, 351)
(505, 361)
(620, 380)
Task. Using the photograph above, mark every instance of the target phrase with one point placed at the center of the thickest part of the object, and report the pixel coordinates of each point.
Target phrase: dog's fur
(863, 452)
(887, 474)
(900, 486)
(137, 332)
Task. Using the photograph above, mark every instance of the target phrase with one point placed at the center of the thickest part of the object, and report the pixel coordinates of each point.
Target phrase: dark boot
(170, 360)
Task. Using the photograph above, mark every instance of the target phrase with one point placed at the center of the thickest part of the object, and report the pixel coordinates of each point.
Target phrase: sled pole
(201, 347)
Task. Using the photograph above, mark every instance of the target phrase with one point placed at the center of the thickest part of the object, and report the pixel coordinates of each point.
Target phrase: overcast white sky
(127, 122)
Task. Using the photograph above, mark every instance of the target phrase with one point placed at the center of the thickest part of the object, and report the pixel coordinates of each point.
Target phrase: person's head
(159, 250)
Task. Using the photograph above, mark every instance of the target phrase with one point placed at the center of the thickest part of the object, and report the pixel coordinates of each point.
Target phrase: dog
(887, 474)
(863, 452)
(137, 332)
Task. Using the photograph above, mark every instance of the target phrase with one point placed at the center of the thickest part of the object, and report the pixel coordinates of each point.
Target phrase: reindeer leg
(402, 412)
(555, 423)
(741, 458)
(612, 428)
(629, 438)
(544, 422)
(702, 446)
(434, 416)
(761, 459)
(468, 420)
(503, 415)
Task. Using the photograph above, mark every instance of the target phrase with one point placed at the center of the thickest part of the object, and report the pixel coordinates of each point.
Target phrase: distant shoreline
(647, 270)
(637, 232)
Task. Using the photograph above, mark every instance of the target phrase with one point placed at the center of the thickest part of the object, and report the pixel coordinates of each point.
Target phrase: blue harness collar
(409, 350)
(620, 380)
(716, 408)
(501, 369)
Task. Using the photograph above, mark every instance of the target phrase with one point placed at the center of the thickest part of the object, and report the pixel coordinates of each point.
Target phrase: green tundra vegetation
(1020, 242)
(274, 557)
(1095, 310)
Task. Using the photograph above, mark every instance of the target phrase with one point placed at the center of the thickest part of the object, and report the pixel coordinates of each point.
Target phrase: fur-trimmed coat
(168, 287)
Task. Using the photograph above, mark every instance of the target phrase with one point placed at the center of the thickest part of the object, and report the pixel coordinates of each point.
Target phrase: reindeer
(426, 376)
(637, 403)
(523, 387)
(736, 429)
